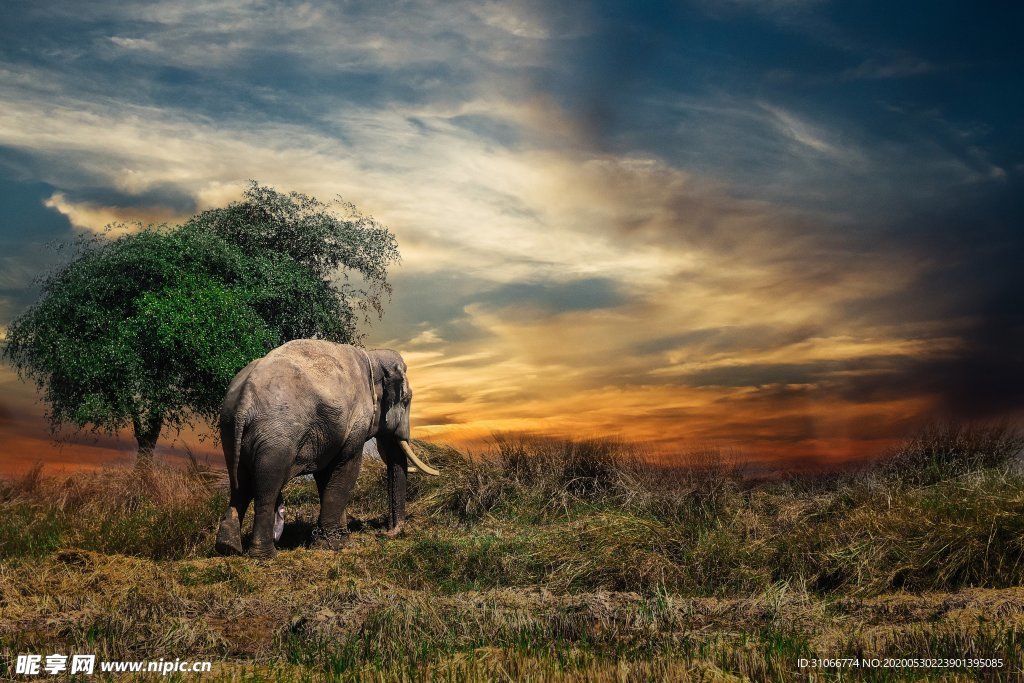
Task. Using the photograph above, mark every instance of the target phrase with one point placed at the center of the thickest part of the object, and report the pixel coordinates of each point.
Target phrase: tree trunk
(147, 431)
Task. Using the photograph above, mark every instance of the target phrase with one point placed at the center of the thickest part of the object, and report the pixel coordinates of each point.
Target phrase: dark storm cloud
(161, 196)
(765, 374)
(986, 379)
(971, 290)
(982, 378)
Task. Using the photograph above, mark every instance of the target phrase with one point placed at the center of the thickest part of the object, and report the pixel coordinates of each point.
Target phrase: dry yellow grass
(517, 568)
(308, 606)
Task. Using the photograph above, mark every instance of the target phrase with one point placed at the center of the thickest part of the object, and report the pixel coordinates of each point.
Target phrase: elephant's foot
(330, 539)
(262, 551)
(395, 530)
(229, 536)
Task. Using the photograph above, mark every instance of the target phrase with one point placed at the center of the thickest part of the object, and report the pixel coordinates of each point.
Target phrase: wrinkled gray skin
(307, 407)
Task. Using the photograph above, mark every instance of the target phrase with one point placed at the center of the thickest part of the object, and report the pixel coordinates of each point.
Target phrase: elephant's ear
(394, 384)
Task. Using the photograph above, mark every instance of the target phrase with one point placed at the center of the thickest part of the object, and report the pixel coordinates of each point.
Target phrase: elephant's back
(307, 373)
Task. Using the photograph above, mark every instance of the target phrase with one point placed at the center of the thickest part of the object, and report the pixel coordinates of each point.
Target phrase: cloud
(801, 132)
(606, 228)
(599, 254)
(903, 67)
(576, 295)
(133, 43)
(101, 219)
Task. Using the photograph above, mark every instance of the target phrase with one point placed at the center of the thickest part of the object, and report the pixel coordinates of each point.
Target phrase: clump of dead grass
(156, 511)
(946, 450)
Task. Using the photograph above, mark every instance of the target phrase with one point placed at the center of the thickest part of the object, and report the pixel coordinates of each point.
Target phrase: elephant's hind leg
(229, 534)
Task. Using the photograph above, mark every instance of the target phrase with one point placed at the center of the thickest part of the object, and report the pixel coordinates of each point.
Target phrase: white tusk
(420, 465)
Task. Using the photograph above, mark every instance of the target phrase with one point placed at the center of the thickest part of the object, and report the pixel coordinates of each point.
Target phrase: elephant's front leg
(336, 487)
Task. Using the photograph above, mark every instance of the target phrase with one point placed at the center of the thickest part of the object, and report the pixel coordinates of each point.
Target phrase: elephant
(308, 407)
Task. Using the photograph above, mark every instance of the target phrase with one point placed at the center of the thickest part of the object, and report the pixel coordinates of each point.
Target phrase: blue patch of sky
(29, 231)
(24, 212)
(688, 87)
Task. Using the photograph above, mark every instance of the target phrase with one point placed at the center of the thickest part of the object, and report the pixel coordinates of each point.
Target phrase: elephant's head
(395, 407)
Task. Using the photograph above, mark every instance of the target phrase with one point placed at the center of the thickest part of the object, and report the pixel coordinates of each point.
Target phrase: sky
(790, 229)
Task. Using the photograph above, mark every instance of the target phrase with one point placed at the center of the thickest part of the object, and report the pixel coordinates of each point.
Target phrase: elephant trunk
(400, 459)
(420, 465)
(397, 469)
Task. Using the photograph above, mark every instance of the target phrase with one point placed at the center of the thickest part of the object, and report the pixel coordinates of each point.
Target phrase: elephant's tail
(241, 421)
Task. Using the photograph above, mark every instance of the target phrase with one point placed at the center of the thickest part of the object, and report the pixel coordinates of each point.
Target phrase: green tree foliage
(147, 330)
(319, 237)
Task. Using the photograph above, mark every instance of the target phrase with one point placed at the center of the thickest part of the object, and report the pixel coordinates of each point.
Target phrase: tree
(147, 330)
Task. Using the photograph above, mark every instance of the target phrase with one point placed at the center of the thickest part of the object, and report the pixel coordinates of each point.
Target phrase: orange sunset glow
(764, 227)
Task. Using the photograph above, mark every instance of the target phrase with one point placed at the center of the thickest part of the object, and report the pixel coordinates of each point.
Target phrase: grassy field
(545, 560)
